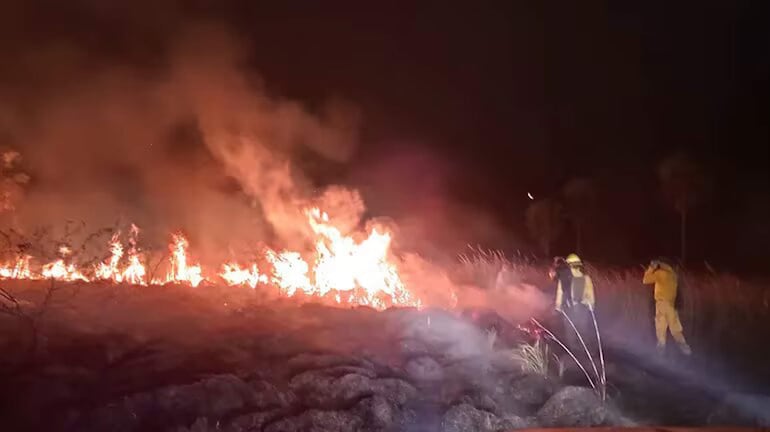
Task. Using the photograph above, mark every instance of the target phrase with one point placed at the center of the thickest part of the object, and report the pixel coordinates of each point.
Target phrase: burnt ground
(113, 358)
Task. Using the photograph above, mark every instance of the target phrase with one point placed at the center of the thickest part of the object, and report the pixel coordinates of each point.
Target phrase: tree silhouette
(544, 222)
(580, 199)
(683, 182)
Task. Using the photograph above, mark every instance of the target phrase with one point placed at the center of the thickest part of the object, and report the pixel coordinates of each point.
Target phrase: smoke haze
(186, 136)
(197, 144)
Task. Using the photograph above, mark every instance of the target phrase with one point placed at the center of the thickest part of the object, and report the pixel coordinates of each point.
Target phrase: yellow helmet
(573, 259)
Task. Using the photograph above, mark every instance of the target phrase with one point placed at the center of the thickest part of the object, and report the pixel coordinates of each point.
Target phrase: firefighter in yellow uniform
(576, 301)
(666, 317)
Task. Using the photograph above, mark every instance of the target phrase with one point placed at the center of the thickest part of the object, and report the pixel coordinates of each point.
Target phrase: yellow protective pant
(667, 318)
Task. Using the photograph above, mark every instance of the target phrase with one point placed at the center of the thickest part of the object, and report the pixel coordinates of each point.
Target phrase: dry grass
(717, 309)
(483, 267)
(537, 358)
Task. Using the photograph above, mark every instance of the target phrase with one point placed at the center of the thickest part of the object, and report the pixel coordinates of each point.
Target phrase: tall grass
(536, 357)
(719, 311)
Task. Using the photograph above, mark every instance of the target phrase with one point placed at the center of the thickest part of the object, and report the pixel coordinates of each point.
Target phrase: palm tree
(580, 198)
(683, 182)
(545, 223)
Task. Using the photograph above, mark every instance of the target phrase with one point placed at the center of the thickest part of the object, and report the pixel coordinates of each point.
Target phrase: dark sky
(521, 97)
(513, 97)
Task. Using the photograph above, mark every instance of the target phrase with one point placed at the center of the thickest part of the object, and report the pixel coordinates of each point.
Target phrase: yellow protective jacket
(665, 280)
(580, 282)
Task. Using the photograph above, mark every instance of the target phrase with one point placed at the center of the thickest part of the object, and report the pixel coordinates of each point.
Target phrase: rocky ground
(176, 359)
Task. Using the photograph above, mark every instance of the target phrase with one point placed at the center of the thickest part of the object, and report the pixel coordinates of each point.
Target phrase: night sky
(508, 98)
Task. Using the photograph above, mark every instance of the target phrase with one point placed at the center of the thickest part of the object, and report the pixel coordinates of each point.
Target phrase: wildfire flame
(233, 274)
(18, 270)
(134, 272)
(340, 268)
(109, 270)
(180, 270)
(59, 270)
(290, 272)
(344, 265)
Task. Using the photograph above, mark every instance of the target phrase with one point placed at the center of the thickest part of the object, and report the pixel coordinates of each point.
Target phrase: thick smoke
(253, 135)
(195, 141)
(197, 144)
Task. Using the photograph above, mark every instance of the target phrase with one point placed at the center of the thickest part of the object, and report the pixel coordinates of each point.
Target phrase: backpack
(577, 289)
(564, 275)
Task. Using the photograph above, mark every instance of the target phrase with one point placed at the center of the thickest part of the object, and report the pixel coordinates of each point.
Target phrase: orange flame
(180, 271)
(344, 265)
(109, 270)
(58, 270)
(346, 269)
(18, 270)
(133, 273)
(289, 272)
(233, 274)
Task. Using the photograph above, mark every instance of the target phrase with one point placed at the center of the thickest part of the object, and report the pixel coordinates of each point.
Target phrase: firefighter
(663, 276)
(575, 297)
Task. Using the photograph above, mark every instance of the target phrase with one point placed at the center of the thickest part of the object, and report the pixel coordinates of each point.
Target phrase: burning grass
(356, 268)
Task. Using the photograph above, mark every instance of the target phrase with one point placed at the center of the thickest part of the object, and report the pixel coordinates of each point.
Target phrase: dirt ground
(173, 358)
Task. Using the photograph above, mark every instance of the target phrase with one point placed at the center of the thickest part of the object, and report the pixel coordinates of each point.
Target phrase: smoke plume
(188, 137)
(196, 144)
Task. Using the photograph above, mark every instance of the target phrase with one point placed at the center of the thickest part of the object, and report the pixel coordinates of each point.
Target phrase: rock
(318, 421)
(181, 402)
(510, 421)
(251, 422)
(351, 387)
(413, 348)
(424, 369)
(464, 417)
(742, 410)
(316, 389)
(517, 394)
(575, 407)
(322, 361)
(481, 400)
(226, 393)
(395, 390)
(319, 390)
(377, 413)
(266, 396)
(339, 371)
(530, 390)
(214, 398)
